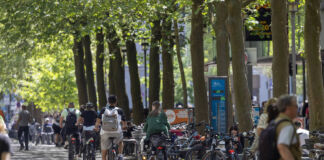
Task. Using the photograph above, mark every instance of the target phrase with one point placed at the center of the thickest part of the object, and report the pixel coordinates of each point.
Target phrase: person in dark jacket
(156, 122)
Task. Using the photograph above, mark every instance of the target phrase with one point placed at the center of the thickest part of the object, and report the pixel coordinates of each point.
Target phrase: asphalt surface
(44, 152)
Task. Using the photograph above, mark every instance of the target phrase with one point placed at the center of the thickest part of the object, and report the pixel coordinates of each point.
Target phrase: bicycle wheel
(111, 154)
(71, 150)
(213, 155)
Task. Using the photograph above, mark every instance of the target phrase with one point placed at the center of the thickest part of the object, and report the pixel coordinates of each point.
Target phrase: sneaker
(120, 157)
(21, 148)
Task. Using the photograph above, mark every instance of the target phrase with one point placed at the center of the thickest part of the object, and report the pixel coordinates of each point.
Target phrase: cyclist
(156, 121)
(88, 117)
(70, 116)
(112, 122)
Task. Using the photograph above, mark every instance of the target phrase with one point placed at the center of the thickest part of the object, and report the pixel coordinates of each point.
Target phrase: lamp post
(293, 8)
(145, 47)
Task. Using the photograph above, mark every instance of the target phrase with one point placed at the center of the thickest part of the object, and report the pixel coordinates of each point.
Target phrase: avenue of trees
(53, 52)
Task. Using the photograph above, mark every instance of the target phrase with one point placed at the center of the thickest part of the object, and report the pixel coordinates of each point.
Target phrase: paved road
(40, 152)
(43, 152)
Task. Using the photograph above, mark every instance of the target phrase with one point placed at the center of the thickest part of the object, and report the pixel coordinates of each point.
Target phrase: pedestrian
(5, 149)
(280, 139)
(23, 119)
(287, 137)
(263, 122)
(112, 121)
(57, 130)
(238, 141)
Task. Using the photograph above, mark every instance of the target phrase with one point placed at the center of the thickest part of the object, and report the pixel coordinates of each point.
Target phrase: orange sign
(176, 116)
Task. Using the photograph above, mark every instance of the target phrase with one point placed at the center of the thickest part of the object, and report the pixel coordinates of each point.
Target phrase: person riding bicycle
(156, 122)
(88, 118)
(112, 122)
(70, 116)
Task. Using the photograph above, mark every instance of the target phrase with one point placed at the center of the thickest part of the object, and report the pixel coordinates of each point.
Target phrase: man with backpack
(112, 122)
(70, 117)
(280, 140)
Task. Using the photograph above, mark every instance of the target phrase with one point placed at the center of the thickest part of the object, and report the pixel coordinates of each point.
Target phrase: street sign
(218, 103)
(177, 116)
(260, 31)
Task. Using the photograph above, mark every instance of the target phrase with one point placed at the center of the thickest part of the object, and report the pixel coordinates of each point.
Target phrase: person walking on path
(23, 119)
(286, 133)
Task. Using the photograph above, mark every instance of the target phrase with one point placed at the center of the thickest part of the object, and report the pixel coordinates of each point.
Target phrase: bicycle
(73, 140)
(89, 148)
(113, 150)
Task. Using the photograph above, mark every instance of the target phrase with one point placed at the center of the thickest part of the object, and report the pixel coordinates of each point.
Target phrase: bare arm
(285, 152)
(61, 122)
(259, 130)
(97, 124)
(5, 156)
(80, 121)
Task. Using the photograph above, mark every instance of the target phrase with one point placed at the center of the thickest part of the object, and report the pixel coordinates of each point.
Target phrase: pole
(145, 78)
(304, 82)
(293, 50)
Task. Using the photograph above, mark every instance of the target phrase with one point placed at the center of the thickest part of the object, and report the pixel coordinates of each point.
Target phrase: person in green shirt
(157, 121)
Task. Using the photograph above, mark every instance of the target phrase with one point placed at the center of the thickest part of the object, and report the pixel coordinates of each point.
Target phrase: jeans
(25, 130)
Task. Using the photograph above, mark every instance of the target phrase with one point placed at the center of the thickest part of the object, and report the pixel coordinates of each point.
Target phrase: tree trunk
(241, 90)
(314, 65)
(112, 88)
(197, 58)
(101, 89)
(79, 70)
(280, 61)
(154, 75)
(183, 76)
(167, 60)
(118, 76)
(135, 82)
(89, 69)
(222, 46)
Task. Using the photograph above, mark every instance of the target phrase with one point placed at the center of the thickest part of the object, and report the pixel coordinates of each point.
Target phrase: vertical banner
(218, 103)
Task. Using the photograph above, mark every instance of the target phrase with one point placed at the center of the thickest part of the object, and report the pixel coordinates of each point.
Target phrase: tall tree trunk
(314, 65)
(89, 70)
(241, 90)
(197, 58)
(280, 47)
(154, 75)
(138, 116)
(101, 89)
(79, 70)
(183, 76)
(222, 46)
(112, 88)
(118, 76)
(167, 60)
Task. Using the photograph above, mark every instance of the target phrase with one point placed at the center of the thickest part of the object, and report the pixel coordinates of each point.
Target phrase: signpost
(218, 103)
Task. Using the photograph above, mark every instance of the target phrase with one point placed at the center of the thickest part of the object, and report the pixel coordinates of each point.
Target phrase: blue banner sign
(218, 103)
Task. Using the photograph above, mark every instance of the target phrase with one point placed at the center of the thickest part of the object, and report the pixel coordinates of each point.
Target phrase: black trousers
(25, 130)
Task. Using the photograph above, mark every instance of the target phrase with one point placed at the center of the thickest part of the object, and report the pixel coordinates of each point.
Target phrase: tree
(89, 70)
(280, 61)
(154, 60)
(222, 45)
(242, 94)
(135, 82)
(167, 60)
(182, 73)
(197, 57)
(118, 73)
(79, 70)
(314, 65)
(101, 89)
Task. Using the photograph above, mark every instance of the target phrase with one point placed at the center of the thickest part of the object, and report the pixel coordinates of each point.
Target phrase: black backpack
(268, 141)
(71, 120)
